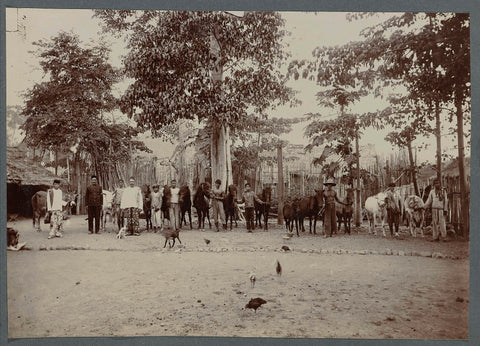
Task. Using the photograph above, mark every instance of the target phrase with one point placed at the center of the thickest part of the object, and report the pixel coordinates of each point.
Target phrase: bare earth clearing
(357, 286)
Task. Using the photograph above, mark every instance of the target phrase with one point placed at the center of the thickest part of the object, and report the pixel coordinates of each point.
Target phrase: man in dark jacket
(94, 203)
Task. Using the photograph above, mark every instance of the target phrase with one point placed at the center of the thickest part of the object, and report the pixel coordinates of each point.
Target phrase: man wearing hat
(330, 215)
(393, 208)
(217, 196)
(437, 199)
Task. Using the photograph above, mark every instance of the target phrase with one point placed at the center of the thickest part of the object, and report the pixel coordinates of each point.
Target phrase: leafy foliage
(66, 110)
(170, 61)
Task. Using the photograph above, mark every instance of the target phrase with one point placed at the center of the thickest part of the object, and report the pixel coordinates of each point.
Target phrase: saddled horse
(147, 205)
(345, 212)
(185, 201)
(310, 206)
(263, 209)
(201, 202)
(230, 205)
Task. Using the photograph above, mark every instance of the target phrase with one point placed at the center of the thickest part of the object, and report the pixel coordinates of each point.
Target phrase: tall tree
(66, 109)
(209, 66)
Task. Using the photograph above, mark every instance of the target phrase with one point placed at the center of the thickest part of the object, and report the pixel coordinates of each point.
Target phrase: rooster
(278, 268)
(255, 303)
(252, 279)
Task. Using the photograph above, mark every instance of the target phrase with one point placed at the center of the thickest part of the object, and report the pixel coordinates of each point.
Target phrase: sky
(308, 30)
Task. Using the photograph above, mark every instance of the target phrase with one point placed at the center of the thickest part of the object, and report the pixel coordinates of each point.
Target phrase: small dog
(121, 233)
(171, 235)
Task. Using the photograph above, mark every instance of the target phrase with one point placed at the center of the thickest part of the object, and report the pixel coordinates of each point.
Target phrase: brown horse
(345, 212)
(201, 202)
(310, 207)
(229, 205)
(263, 209)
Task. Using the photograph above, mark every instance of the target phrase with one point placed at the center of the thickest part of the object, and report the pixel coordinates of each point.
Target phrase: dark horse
(290, 214)
(229, 205)
(310, 207)
(263, 209)
(185, 201)
(201, 204)
(166, 197)
(345, 212)
(147, 205)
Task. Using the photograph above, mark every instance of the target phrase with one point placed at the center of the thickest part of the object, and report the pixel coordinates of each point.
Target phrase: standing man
(330, 215)
(55, 204)
(157, 215)
(94, 203)
(174, 206)
(217, 196)
(131, 205)
(437, 199)
(393, 209)
(249, 198)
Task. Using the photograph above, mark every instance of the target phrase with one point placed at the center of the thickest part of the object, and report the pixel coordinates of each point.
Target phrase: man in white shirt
(174, 206)
(157, 215)
(55, 204)
(131, 205)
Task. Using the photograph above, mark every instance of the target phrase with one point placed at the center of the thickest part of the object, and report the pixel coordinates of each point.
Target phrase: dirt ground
(357, 286)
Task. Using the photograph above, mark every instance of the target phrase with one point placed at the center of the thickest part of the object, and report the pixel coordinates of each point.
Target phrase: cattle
(310, 207)
(415, 213)
(264, 208)
(107, 208)
(376, 206)
(39, 206)
(185, 201)
(345, 212)
(229, 205)
(290, 215)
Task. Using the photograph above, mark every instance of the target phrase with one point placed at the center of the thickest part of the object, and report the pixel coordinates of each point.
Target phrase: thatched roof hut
(24, 178)
(23, 170)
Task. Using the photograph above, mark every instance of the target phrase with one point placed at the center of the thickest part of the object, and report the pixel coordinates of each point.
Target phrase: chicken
(285, 248)
(255, 303)
(278, 268)
(207, 241)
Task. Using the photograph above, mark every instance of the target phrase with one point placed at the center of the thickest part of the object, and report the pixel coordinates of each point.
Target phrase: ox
(415, 213)
(39, 206)
(376, 206)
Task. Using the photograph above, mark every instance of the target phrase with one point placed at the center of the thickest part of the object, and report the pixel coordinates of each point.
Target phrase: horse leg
(208, 217)
(310, 224)
(190, 217)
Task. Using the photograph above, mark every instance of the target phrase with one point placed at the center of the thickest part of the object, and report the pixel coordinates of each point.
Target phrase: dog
(171, 235)
(121, 233)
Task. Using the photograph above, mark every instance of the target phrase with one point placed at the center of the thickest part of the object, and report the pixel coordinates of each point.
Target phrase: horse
(147, 205)
(117, 211)
(166, 197)
(185, 201)
(229, 205)
(345, 212)
(39, 206)
(263, 209)
(310, 206)
(290, 214)
(375, 205)
(107, 208)
(201, 203)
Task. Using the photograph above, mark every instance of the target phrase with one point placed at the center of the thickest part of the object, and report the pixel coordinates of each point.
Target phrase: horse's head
(183, 193)
(267, 195)
(350, 195)
(318, 197)
(232, 189)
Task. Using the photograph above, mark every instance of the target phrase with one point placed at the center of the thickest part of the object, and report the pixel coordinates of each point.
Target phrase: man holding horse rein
(393, 208)
(249, 198)
(217, 195)
(330, 212)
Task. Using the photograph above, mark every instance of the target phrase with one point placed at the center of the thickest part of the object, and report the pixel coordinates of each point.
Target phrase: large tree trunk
(464, 222)
(79, 185)
(413, 168)
(220, 155)
(357, 194)
(280, 185)
(438, 135)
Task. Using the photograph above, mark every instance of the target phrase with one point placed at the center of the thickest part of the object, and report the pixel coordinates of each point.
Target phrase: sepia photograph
(243, 174)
